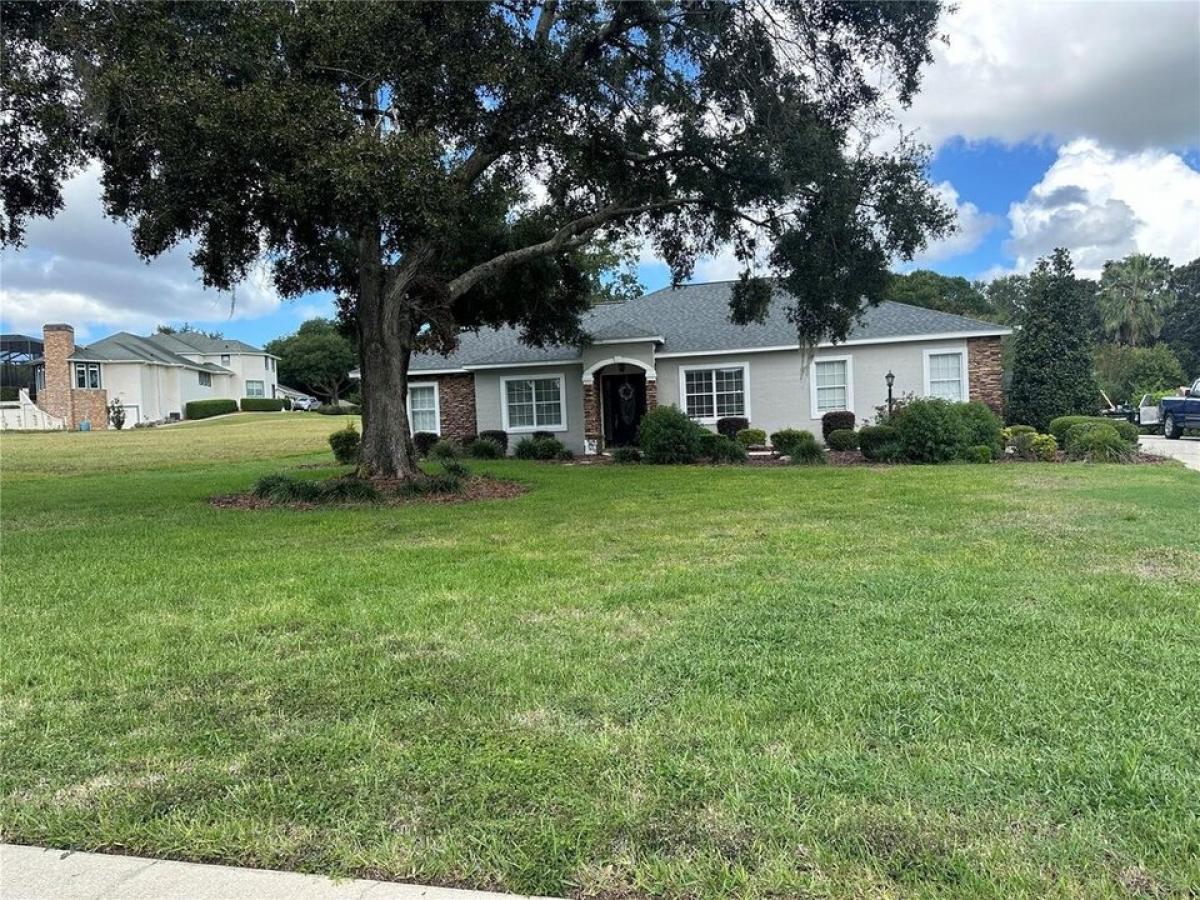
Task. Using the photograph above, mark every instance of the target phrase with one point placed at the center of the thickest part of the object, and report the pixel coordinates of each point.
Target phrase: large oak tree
(442, 167)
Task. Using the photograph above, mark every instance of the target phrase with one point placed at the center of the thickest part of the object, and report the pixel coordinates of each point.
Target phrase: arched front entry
(616, 394)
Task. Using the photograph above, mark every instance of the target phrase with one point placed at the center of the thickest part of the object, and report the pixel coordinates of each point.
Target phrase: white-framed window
(255, 389)
(832, 379)
(946, 374)
(224, 359)
(205, 379)
(424, 410)
(87, 375)
(708, 393)
(534, 403)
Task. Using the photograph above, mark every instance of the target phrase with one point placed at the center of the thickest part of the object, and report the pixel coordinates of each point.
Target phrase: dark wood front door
(624, 406)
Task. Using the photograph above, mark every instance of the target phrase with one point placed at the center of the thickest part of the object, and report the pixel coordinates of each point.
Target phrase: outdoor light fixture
(890, 379)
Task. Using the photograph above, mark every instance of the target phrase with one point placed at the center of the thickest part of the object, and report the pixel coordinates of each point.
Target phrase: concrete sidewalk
(1186, 450)
(36, 873)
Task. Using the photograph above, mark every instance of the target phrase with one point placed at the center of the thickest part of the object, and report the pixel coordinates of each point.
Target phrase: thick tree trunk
(385, 336)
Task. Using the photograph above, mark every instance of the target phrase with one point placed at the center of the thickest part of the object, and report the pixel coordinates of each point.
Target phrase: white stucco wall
(488, 400)
(780, 386)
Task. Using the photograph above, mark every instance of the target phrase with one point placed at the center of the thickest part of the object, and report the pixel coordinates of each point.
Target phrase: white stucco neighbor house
(677, 346)
(154, 377)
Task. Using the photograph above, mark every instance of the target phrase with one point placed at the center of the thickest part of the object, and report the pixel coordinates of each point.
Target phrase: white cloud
(1102, 204)
(1124, 73)
(80, 268)
(973, 225)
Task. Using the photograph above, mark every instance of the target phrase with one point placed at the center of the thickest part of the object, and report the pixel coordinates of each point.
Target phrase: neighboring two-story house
(154, 376)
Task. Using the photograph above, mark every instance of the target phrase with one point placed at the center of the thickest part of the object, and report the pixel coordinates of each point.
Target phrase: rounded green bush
(344, 444)
(484, 448)
(718, 448)
(837, 420)
(1097, 442)
(752, 437)
(667, 436)
(729, 426)
(806, 451)
(1060, 426)
(444, 449)
(930, 430)
(981, 426)
(879, 443)
(1044, 447)
(626, 455)
(424, 441)
(500, 437)
(541, 448)
(784, 440)
(981, 453)
(842, 439)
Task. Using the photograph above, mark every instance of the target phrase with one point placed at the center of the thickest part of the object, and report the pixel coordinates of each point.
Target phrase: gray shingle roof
(126, 347)
(694, 318)
(192, 342)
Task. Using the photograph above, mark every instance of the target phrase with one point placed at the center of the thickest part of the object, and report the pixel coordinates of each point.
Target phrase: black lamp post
(890, 379)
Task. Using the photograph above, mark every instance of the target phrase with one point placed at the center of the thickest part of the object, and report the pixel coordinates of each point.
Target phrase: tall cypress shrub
(1052, 365)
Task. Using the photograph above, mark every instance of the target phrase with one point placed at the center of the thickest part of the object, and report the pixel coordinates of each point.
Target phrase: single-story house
(154, 377)
(677, 346)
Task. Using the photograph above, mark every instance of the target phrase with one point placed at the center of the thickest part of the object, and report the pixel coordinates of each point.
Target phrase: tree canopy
(317, 358)
(947, 293)
(1135, 294)
(441, 167)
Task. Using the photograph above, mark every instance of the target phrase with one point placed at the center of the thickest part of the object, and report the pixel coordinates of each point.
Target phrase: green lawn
(691, 682)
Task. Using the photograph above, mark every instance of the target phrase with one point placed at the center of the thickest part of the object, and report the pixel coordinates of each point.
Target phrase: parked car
(1178, 413)
(305, 403)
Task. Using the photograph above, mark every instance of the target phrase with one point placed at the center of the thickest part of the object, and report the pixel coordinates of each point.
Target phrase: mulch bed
(476, 488)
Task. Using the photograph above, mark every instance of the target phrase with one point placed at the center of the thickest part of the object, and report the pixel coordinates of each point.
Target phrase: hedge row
(204, 409)
(262, 404)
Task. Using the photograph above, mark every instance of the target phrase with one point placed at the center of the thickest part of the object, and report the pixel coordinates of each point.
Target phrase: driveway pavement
(35, 873)
(1186, 449)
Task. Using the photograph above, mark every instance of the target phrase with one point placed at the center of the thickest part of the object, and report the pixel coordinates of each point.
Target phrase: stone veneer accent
(456, 403)
(985, 371)
(60, 397)
(591, 414)
(651, 394)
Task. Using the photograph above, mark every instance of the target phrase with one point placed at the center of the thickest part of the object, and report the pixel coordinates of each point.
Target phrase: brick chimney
(58, 344)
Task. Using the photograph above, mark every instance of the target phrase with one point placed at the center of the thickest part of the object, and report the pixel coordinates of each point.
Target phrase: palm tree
(1135, 294)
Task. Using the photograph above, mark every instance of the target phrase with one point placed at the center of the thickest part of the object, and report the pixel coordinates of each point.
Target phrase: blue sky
(1052, 124)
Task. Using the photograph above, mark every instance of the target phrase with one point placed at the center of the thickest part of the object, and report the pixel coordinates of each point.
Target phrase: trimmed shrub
(1044, 447)
(334, 409)
(626, 455)
(203, 409)
(879, 443)
(784, 440)
(444, 449)
(752, 437)
(484, 448)
(424, 441)
(262, 404)
(931, 431)
(981, 426)
(1097, 442)
(499, 437)
(980, 453)
(1063, 424)
(543, 448)
(837, 420)
(344, 444)
(805, 451)
(718, 448)
(731, 425)
(842, 439)
(668, 437)
(10, 394)
(543, 436)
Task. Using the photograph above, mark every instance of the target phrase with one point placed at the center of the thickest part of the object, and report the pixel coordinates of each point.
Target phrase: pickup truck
(1178, 413)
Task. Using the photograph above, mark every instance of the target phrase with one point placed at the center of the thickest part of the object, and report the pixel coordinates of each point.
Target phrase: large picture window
(711, 393)
(945, 375)
(423, 412)
(534, 404)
